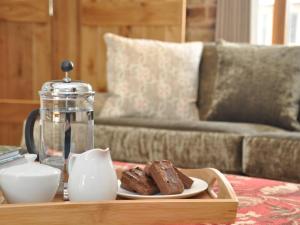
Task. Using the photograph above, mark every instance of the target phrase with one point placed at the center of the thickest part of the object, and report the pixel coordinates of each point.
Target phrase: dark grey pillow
(259, 84)
(207, 77)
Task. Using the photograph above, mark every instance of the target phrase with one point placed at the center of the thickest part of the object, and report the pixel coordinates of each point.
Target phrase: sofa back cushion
(257, 84)
(207, 78)
(152, 79)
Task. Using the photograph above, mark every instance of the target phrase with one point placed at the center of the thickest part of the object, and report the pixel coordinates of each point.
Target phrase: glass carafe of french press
(66, 121)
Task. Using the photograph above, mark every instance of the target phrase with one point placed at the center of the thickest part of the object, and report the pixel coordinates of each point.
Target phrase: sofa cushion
(205, 126)
(257, 84)
(272, 155)
(188, 144)
(207, 78)
(188, 149)
(153, 79)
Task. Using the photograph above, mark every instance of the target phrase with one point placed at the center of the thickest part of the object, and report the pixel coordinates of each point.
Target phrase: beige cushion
(154, 79)
(100, 99)
(257, 84)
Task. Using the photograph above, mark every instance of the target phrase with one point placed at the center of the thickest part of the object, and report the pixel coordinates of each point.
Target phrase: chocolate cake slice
(165, 177)
(187, 182)
(137, 181)
(147, 167)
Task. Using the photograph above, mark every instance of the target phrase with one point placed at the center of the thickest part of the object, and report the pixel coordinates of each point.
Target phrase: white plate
(197, 187)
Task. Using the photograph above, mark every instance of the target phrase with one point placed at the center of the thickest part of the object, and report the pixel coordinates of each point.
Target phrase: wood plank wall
(25, 53)
(32, 45)
(155, 19)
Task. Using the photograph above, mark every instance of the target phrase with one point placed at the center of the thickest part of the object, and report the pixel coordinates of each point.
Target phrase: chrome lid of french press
(66, 87)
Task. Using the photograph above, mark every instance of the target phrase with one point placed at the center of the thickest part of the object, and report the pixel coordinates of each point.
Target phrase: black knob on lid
(67, 66)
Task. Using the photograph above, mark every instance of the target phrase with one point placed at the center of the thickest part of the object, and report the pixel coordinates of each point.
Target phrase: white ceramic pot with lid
(30, 182)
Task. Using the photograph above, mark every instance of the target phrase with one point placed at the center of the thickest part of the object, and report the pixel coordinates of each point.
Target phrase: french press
(66, 120)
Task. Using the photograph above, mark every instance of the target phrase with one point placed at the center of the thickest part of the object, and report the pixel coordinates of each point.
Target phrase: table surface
(261, 201)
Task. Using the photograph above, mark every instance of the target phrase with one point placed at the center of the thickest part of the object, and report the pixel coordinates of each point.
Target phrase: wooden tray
(207, 207)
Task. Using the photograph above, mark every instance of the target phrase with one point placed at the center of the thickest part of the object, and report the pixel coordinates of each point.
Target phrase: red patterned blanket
(261, 201)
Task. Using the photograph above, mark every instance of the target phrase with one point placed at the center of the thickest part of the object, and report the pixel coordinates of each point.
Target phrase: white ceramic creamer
(92, 176)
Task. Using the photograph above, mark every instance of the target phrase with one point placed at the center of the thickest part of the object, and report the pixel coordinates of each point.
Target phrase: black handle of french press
(67, 66)
(29, 127)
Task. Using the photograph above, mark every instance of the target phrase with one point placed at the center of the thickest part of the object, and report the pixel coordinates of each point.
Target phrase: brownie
(146, 168)
(187, 182)
(137, 181)
(166, 178)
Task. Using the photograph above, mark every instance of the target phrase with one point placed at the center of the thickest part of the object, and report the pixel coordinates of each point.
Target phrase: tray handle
(211, 175)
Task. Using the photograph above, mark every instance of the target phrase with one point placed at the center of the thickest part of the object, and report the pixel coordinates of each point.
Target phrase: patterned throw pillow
(152, 79)
(259, 84)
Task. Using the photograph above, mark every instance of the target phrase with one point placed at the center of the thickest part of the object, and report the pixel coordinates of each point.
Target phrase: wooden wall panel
(93, 55)
(101, 57)
(16, 110)
(33, 44)
(26, 10)
(25, 57)
(89, 61)
(3, 58)
(134, 12)
(42, 68)
(12, 115)
(25, 53)
(10, 132)
(16, 57)
(25, 47)
(65, 36)
(156, 19)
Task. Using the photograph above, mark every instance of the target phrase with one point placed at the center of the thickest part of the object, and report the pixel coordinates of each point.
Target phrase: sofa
(242, 148)
(252, 149)
(230, 144)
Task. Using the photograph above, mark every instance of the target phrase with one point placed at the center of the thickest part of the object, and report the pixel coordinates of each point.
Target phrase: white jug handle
(71, 162)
